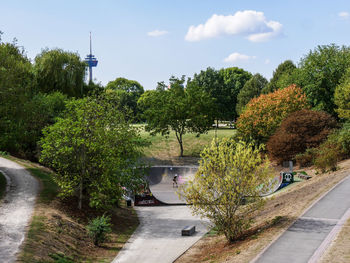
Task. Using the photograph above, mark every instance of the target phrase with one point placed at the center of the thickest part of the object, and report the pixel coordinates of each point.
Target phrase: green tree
(177, 108)
(321, 72)
(59, 70)
(234, 80)
(251, 89)
(342, 96)
(16, 82)
(129, 92)
(223, 86)
(93, 152)
(227, 186)
(282, 77)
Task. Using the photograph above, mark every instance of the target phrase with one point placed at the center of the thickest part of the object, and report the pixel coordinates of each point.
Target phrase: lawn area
(2, 185)
(166, 148)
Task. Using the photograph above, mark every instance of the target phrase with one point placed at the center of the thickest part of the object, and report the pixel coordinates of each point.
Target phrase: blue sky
(149, 40)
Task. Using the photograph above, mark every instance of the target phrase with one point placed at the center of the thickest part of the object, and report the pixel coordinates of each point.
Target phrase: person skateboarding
(175, 181)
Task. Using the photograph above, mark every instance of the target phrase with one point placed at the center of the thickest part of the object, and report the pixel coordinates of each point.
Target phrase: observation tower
(91, 61)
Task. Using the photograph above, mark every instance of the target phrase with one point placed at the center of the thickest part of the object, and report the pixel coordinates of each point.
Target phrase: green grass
(2, 185)
(50, 188)
(166, 148)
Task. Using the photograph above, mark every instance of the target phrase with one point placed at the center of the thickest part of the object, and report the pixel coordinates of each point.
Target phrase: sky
(151, 40)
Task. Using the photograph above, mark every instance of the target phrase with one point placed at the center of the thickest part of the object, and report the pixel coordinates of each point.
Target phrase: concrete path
(16, 208)
(158, 238)
(307, 239)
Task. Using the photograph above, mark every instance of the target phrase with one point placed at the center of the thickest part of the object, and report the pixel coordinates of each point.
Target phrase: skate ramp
(160, 180)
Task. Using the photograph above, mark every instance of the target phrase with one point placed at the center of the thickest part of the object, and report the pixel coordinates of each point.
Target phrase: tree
(16, 82)
(178, 109)
(93, 151)
(224, 86)
(227, 186)
(321, 72)
(342, 96)
(263, 115)
(129, 92)
(58, 70)
(282, 77)
(234, 80)
(251, 89)
(301, 130)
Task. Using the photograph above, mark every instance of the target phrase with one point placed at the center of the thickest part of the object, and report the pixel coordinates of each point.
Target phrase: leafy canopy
(94, 150)
(176, 108)
(321, 72)
(226, 188)
(251, 89)
(263, 115)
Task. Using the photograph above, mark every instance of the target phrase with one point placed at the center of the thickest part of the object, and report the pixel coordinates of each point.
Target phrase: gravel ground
(16, 208)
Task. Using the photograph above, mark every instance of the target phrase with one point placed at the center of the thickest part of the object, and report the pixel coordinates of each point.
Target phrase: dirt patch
(278, 214)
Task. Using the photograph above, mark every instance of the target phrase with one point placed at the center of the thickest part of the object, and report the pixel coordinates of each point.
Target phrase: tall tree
(282, 77)
(93, 152)
(129, 92)
(321, 72)
(342, 96)
(16, 82)
(59, 70)
(234, 80)
(251, 89)
(177, 109)
(228, 184)
(224, 86)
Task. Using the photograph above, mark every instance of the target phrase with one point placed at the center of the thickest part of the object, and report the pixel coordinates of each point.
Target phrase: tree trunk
(181, 149)
(80, 194)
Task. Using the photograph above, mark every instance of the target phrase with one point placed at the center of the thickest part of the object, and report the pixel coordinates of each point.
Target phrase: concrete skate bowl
(162, 187)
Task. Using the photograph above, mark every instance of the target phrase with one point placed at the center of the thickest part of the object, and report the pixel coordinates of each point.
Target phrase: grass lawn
(167, 148)
(2, 185)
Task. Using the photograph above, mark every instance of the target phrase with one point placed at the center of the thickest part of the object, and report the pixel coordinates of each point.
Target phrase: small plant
(98, 229)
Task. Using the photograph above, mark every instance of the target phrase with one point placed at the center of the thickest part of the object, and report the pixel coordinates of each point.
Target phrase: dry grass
(278, 214)
(340, 247)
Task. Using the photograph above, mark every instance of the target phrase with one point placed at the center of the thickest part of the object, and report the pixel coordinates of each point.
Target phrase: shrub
(299, 131)
(328, 156)
(263, 115)
(98, 229)
(307, 158)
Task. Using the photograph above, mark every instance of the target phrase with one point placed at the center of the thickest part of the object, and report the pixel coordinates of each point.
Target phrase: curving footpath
(158, 237)
(306, 240)
(16, 208)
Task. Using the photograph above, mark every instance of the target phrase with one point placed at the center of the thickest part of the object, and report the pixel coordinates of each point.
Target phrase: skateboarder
(175, 181)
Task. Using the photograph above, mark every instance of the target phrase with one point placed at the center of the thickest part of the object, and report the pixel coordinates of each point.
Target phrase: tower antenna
(91, 61)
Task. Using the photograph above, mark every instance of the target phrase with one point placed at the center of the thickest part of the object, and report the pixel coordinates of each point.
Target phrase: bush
(263, 115)
(328, 156)
(307, 158)
(98, 229)
(299, 131)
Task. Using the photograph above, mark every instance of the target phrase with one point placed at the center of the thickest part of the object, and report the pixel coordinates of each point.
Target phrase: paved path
(306, 240)
(15, 209)
(158, 238)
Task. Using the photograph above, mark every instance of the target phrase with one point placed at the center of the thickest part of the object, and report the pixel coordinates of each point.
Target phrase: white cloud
(267, 61)
(157, 33)
(344, 14)
(235, 57)
(249, 23)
